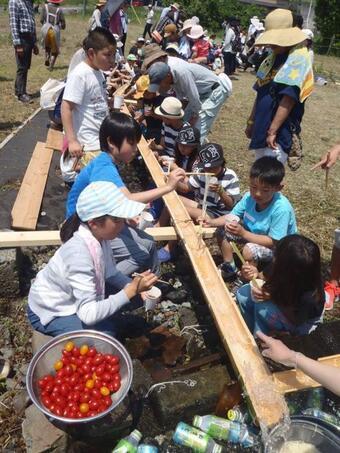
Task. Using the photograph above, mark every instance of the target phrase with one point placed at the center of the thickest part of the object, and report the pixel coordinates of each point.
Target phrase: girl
(53, 20)
(69, 292)
(292, 298)
(201, 46)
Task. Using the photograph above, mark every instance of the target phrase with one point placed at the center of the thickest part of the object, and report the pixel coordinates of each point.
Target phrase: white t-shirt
(149, 17)
(86, 87)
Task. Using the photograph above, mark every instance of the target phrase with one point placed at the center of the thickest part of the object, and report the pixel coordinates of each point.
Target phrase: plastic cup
(260, 283)
(213, 180)
(231, 218)
(118, 102)
(146, 220)
(153, 296)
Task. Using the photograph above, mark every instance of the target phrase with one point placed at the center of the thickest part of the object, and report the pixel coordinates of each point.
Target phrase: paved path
(14, 158)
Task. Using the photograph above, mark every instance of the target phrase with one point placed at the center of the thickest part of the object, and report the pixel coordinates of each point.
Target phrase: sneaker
(332, 295)
(228, 272)
(163, 255)
(47, 62)
(25, 98)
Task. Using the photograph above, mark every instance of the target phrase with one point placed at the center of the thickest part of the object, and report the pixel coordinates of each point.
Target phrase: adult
(332, 287)
(152, 54)
(204, 90)
(284, 82)
(22, 25)
(124, 20)
(95, 21)
(170, 15)
(53, 20)
(229, 56)
(184, 41)
(149, 21)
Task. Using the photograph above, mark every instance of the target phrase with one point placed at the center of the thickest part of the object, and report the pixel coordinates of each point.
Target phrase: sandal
(332, 294)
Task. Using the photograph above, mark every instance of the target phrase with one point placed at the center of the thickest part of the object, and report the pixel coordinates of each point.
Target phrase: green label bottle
(129, 444)
(191, 437)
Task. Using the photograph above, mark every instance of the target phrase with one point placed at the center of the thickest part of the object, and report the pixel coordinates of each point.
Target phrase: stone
(141, 378)
(20, 401)
(187, 317)
(39, 340)
(10, 281)
(178, 402)
(177, 296)
(40, 435)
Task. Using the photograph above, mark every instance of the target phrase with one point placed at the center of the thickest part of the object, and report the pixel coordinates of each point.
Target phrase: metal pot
(43, 361)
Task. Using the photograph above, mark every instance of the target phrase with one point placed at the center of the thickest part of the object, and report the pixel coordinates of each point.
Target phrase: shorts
(259, 252)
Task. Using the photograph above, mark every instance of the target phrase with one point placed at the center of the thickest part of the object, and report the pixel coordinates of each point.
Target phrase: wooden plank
(39, 238)
(294, 380)
(267, 403)
(54, 140)
(26, 207)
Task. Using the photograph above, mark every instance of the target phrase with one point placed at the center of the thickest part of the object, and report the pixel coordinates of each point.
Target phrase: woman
(292, 298)
(96, 15)
(284, 82)
(53, 20)
(69, 293)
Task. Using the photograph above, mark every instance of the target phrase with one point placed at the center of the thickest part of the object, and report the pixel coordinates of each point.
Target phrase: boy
(267, 216)
(84, 105)
(224, 190)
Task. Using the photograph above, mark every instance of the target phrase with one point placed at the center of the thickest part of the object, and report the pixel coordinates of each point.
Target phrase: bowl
(301, 430)
(43, 361)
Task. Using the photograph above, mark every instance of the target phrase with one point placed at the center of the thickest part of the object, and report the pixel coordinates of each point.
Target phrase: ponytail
(69, 227)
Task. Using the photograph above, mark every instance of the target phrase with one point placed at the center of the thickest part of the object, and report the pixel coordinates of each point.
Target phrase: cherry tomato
(114, 360)
(75, 352)
(46, 401)
(104, 391)
(64, 389)
(101, 408)
(84, 349)
(45, 394)
(68, 370)
(79, 415)
(75, 396)
(74, 379)
(88, 361)
(79, 387)
(67, 354)
(95, 393)
(116, 386)
(98, 384)
(52, 407)
(42, 383)
(106, 377)
(49, 387)
(89, 384)
(86, 368)
(92, 352)
(84, 408)
(58, 365)
(69, 346)
(94, 405)
(58, 380)
(107, 401)
(60, 401)
(92, 414)
(98, 359)
(85, 398)
(65, 360)
(100, 370)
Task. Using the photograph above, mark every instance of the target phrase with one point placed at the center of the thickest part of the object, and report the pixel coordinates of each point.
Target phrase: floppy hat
(157, 72)
(101, 3)
(175, 5)
(140, 39)
(173, 46)
(118, 41)
(171, 108)
(211, 155)
(151, 53)
(309, 34)
(169, 30)
(279, 30)
(104, 198)
(187, 24)
(142, 84)
(189, 135)
(196, 32)
(131, 57)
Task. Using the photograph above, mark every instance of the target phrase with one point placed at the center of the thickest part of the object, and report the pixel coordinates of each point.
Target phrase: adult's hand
(19, 51)
(329, 159)
(249, 130)
(75, 149)
(276, 350)
(271, 139)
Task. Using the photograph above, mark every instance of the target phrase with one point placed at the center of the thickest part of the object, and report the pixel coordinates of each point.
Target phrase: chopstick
(239, 254)
(136, 274)
(203, 174)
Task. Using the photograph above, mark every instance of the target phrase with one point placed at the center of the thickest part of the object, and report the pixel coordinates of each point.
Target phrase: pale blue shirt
(276, 221)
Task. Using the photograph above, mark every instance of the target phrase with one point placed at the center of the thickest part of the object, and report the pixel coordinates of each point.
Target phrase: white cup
(146, 220)
(260, 283)
(213, 180)
(231, 218)
(118, 102)
(152, 297)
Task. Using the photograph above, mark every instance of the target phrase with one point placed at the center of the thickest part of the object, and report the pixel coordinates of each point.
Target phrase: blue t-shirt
(102, 168)
(269, 95)
(276, 221)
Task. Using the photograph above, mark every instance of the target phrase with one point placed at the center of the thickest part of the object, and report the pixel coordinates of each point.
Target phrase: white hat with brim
(170, 108)
(187, 24)
(279, 30)
(309, 34)
(172, 46)
(102, 198)
(196, 32)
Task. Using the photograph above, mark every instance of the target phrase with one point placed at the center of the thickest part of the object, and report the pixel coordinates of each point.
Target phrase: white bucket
(153, 296)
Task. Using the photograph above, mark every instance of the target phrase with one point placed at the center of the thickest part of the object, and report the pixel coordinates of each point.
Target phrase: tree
(327, 19)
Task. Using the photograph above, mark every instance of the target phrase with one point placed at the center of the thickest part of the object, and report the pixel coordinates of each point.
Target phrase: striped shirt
(21, 19)
(169, 134)
(230, 183)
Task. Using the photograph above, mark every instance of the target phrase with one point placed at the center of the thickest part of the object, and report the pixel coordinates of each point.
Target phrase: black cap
(189, 135)
(211, 155)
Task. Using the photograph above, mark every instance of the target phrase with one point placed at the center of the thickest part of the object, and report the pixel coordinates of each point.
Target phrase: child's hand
(214, 187)
(152, 145)
(175, 177)
(206, 221)
(276, 350)
(235, 228)
(249, 271)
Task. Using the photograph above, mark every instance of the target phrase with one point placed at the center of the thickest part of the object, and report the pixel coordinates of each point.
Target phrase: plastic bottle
(239, 414)
(194, 438)
(129, 444)
(230, 397)
(222, 429)
(329, 418)
(143, 448)
(316, 398)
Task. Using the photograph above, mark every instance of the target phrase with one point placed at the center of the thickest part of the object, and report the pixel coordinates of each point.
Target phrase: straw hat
(142, 84)
(280, 31)
(171, 108)
(173, 46)
(101, 3)
(196, 32)
(151, 53)
(169, 30)
(175, 6)
(187, 24)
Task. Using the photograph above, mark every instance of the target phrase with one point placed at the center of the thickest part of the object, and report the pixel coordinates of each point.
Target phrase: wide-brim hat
(279, 30)
(187, 24)
(170, 108)
(105, 198)
(172, 46)
(142, 84)
(196, 32)
(151, 53)
(169, 30)
(175, 5)
(101, 3)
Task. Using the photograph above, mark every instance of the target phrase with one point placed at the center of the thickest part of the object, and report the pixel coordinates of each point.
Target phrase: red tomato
(94, 405)
(64, 389)
(100, 370)
(75, 352)
(114, 359)
(67, 353)
(93, 368)
(65, 361)
(104, 391)
(88, 376)
(92, 352)
(79, 387)
(42, 383)
(107, 401)
(68, 370)
(82, 359)
(107, 358)
(88, 361)
(74, 379)
(86, 368)
(84, 408)
(45, 394)
(116, 377)
(98, 359)
(84, 349)
(96, 394)
(60, 401)
(98, 384)
(58, 411)
(61, 373)
(58, 380)
(79, 415)
(58, 365)
(52, 407)
(92, 413)
(110, 386)
(116, 386)
(101, 408)
(115, 369)
(75, 396)
(85, 398)
(46, 401)
(48, 378)
(49, 387)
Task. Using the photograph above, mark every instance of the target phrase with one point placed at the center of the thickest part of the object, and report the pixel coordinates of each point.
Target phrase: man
(205, 91)
(124, 21)
(22, 25)
(149, 21)
(229, 55)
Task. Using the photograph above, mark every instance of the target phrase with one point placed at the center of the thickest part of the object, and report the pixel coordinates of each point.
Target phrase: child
(292, 299)
(119, 134)
(69, 292)
(266, 215)
(52, 20)
(171, 113)
(223, 192)
(201, 46)
(84, 103)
